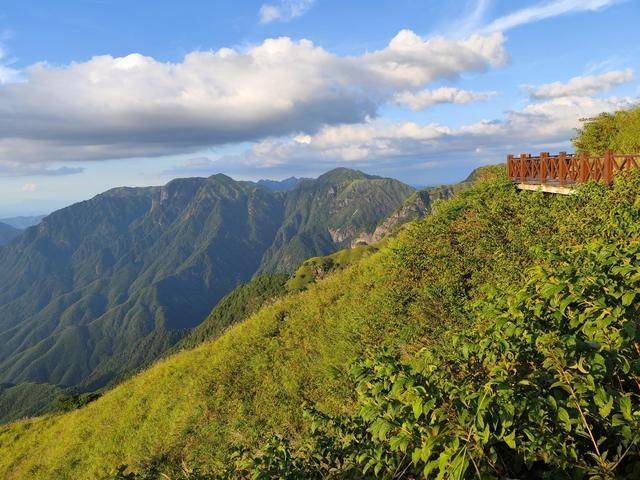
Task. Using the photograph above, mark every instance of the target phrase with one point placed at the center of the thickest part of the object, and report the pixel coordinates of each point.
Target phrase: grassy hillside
(317, 268)
(198, 405)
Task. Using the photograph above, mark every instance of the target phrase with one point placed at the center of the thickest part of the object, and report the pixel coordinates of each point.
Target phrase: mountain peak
(342, 174)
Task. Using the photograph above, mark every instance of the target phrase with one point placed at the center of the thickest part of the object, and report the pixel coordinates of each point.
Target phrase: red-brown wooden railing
(567, 168)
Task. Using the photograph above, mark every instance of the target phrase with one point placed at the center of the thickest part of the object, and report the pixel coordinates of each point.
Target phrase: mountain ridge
(105, 285)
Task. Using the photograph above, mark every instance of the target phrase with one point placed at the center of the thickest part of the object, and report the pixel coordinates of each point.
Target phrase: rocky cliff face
(416, 207)
(330, 213)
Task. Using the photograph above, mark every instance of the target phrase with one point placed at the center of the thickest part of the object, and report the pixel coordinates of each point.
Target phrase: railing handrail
(569, 168)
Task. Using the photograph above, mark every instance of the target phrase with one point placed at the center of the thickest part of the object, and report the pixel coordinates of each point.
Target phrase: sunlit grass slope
(199, 404)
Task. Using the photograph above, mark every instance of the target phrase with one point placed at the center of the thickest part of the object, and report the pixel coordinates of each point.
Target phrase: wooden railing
(568, 169)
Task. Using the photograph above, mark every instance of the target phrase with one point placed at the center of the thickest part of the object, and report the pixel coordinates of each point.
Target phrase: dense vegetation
(545, 386)
(317, 268)
(618, 131)
(27, 399)
(100, 288)
(281, 185)
(193, 410)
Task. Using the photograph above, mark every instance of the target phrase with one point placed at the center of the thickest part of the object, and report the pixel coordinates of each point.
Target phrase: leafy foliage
(549, 389)
(69, 402)
(619, 131)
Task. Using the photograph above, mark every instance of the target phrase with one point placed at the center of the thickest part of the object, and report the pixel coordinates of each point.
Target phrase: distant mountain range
(108, 284)
(7, 233)
(281, 185)
(23, 222)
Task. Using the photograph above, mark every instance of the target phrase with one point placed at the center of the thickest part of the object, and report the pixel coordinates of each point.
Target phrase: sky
(96, 94)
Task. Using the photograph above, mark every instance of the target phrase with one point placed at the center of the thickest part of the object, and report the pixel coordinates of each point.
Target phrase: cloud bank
(136, 106)
(409, 145)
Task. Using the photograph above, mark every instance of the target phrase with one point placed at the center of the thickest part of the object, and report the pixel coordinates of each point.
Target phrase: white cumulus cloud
(539, 126)
(582, 86)
(426, 98)
(136, 106)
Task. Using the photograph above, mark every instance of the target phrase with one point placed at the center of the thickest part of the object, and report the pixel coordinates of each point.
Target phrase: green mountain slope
(26, 399)
(7, 233)
(330, 213)
(104, 286)
(280, 185)
(235, 307)
(195, 407)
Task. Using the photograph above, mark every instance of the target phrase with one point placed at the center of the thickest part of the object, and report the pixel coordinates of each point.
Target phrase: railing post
(510, 167)
(523, 169)
(544, 157)
(608, 167)
(562, 167)
(584, 167)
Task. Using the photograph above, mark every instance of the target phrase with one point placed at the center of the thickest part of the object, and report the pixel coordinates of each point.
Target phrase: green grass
(197, 405)
(317, 268)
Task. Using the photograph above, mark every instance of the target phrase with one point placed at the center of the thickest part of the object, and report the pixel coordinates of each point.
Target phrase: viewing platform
(560, 173)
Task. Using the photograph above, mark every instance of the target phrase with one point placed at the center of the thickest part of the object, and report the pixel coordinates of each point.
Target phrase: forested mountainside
(106, 285)
(478, 336)
(322, 218)
(7, 233)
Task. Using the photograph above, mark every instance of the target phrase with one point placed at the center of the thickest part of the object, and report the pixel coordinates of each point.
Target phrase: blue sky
(102, 93)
